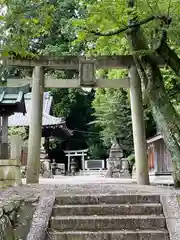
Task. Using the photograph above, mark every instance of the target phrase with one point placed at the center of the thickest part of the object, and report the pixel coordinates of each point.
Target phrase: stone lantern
(118, 167)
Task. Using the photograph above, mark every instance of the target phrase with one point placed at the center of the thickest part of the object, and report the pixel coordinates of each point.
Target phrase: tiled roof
(19, 119)
(47, 102)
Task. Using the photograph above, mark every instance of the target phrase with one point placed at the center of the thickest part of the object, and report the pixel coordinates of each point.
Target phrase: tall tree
(160, 20)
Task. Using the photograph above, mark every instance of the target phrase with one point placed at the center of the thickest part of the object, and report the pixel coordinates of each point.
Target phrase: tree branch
(112, 33)
(132, 25)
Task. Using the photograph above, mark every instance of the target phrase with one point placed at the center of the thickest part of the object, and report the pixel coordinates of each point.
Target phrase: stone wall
(15, 219)
(171, 208)
(38, 230)
(25, 212)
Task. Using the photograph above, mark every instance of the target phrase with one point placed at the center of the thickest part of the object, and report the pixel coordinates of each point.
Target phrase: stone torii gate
(87, 68)
(75, 153)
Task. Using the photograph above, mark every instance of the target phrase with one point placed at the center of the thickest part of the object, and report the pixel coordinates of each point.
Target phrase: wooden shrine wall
(159, 158)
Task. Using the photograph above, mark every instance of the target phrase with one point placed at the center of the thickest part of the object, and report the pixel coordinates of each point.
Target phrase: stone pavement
(155, 180)
(84, 185)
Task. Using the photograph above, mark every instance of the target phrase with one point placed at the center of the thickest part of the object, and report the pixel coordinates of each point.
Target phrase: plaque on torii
(87, 73)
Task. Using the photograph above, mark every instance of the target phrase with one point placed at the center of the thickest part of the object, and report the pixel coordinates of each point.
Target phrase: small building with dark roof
(52, 127)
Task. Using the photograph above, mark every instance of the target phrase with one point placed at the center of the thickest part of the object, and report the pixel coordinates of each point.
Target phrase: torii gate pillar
(141, 161)
(35, 128)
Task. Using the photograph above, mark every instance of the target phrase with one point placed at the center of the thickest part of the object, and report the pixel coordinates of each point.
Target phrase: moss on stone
(11, 206)
(15, 219)
(6, 229)
(178, 199)
(7, 183)
(10, 173)
(24, 220)
(9, 162)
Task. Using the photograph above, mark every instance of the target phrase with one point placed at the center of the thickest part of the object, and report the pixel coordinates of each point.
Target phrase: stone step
(110, 235)
(95, 223)
(92, 172)
(106, 199)
(108, 209)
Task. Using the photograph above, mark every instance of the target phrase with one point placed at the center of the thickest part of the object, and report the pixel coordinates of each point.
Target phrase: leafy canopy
(23, 23)
(106, 16)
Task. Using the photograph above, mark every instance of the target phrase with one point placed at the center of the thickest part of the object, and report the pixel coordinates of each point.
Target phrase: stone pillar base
(118, 169)
(121, 174)
(10, 173)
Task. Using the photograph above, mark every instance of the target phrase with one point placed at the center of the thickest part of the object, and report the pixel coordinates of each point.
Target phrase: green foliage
(96, 149)
(39, 27)
(75, 105)
(113, 115)
(23, 23)
(95, 144)
(103, 16)
(18, 131)
(62, 33)
(172, 84)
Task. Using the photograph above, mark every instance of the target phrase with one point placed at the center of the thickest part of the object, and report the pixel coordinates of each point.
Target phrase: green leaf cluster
(23, 23)
(18, 131)
(108, 16)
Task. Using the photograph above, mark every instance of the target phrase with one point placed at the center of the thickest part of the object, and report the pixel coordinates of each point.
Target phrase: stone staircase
(107, 217)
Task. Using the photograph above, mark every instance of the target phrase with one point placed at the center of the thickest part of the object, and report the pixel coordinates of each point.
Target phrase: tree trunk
(163, 111)
(169, 56)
